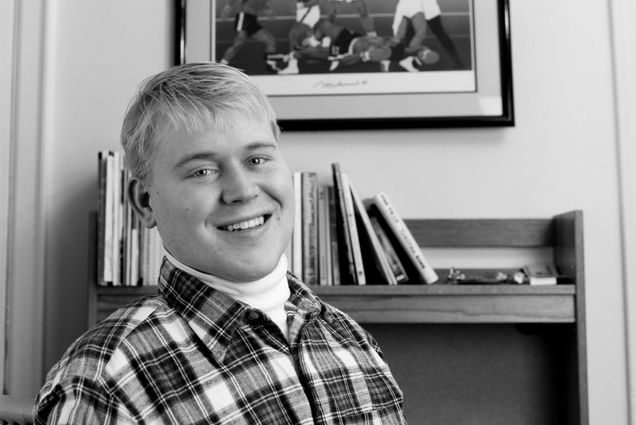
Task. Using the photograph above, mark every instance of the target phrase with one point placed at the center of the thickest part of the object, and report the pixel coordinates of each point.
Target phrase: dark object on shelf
(488, 277)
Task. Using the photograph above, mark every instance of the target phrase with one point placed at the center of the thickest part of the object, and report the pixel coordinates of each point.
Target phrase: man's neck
(267, 294)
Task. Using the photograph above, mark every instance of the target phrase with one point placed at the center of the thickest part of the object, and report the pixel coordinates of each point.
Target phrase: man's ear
(139, 198)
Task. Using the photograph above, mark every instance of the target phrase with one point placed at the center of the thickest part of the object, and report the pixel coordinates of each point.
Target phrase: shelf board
(438, 303)
(454, 303)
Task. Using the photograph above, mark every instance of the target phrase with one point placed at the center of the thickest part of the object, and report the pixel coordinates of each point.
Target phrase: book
(333, 237)
(101, 272)
(324, 244)
(354, 237)
(118, 217)
(374, 257)
(309, 212)
(540, 274)
(345, 250)
(394, 260)
(133, 258)
(109, 218)
(130, 237)
(127, 253)
(297, 240)
(402, 235)
(143, 255)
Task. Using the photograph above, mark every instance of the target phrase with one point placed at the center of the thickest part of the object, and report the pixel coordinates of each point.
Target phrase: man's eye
(204, 172)
(257, 160)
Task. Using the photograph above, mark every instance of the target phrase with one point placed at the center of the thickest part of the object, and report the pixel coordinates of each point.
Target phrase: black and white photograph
(328, 36)
(411, 62)
(318, 212)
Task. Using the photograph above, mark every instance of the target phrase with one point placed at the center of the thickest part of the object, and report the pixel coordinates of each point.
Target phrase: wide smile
(241, 226)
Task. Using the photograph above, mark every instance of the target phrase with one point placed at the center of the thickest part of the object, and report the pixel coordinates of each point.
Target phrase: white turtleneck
(267, 294)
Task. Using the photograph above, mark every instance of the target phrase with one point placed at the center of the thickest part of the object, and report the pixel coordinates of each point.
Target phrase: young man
(232, 337)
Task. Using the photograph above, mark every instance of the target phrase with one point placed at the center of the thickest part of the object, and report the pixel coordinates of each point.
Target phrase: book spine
(118, 219)
(333, 237)
(347, 268)
(375, 257)
(296, 242)
(405, 238)
(324, 247)
(353, 232)
(134, 254)
(310, 227)
(143, 255)
(102, 157)
(128, 256)
(109, 220)
(394, 260)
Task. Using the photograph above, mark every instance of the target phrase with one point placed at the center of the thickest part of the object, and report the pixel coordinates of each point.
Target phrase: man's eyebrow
(260, 145)
(211, 156)
(203, 156)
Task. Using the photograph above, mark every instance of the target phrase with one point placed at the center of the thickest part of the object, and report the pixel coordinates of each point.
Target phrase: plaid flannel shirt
(194, 355)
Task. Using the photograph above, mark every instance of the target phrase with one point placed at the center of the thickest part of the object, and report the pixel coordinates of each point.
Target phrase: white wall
(561, 155)
(23, 234)
(7, 47)
(102, 50)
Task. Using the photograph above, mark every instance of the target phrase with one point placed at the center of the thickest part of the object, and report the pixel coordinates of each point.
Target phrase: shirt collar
(215, 316)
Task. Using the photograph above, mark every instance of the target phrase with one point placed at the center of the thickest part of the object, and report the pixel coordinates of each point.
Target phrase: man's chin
(250, 272)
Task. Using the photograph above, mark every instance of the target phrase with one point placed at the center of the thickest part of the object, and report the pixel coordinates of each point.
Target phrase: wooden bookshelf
(556, 311)
(417, 304)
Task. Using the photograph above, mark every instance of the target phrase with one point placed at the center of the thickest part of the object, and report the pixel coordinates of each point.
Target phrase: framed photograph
(363, 64)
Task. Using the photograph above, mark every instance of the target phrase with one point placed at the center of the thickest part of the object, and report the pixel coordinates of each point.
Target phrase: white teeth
(244, 225)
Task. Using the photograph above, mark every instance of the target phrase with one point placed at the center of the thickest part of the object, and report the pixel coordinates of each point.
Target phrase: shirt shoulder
(75, 386)
(339, 321)
(88, 354)
(350, 327)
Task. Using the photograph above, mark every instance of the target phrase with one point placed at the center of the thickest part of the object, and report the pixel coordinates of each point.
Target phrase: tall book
(333, 237)
(103, 270)
(118, 218)
(309, 181)
(130, 243)
(297, 238)
(134, 278)
(325, 277)
(397, 268)
(386, 211)
(110, 239)
(358, 262)
(376, 264)
(347, 267)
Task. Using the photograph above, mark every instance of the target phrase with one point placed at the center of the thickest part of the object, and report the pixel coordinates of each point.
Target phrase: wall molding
(25, 234)
(8, 50)
(623, 16)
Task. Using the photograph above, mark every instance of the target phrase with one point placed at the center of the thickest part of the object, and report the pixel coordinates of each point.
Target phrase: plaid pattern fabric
(193, 355)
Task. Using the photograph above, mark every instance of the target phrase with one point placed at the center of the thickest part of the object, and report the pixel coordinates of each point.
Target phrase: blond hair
(189, 98)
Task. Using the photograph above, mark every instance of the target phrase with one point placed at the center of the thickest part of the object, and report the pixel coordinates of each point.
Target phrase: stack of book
(338, 238)
(341, 239)
(128, 254)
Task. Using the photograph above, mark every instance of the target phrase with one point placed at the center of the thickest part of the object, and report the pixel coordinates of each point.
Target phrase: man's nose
(239, 185)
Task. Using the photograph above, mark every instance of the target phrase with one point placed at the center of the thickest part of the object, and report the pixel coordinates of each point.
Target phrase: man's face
(223, 199)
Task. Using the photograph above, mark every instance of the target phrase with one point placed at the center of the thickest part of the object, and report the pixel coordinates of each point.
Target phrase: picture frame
(476, 90)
